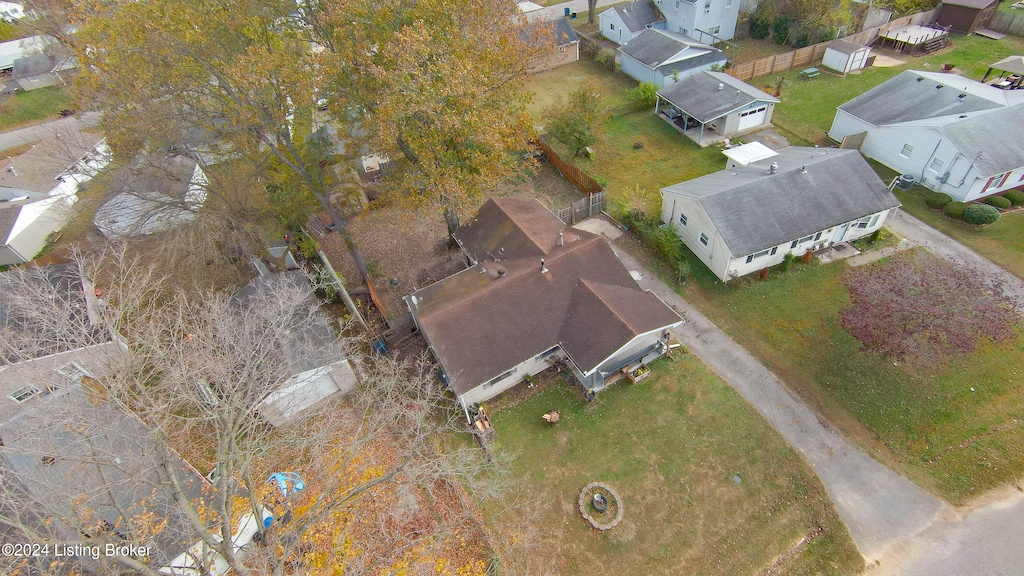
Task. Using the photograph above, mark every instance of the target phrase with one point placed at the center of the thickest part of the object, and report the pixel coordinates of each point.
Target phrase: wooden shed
(845, 56)
(966, 16)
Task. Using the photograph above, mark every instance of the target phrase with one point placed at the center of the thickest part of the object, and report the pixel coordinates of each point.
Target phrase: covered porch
(703, 132)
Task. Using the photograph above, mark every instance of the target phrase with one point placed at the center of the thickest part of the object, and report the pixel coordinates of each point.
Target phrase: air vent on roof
(721, 86)
(773, 168)
(962, 96)
(938, 86)
(919, 78)
(962, 116)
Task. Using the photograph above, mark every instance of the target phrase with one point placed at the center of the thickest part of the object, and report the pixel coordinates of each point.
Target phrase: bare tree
(96, 459)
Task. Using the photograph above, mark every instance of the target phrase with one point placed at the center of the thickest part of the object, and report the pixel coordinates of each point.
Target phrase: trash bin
(907, 181)
(573, 15)
(567, 11)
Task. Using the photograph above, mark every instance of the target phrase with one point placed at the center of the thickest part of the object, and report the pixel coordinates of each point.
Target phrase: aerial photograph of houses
(511, 288)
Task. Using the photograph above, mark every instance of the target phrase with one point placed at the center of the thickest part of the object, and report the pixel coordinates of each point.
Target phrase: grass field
(925, 421)
(671, 446)
(26, 108)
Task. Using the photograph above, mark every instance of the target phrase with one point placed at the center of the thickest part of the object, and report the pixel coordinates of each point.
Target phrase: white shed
(845, 56)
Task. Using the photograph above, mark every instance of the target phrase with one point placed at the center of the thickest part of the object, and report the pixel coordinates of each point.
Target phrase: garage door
(752, 118)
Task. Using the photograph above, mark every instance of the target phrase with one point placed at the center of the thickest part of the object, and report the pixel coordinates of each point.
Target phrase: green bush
(644, 96)
(980, 214)
(781, 29)
(661, 239)
(937, 199)
(998, 202)
(1016, 197)
(760, 27)
(787, 261)
(954, 210)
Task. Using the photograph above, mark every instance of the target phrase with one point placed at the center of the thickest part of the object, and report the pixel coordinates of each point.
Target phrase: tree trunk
(591, 8)
(451, 218)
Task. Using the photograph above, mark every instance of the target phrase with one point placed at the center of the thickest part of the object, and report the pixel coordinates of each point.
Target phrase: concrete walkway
(921, 234)
(882, 509)
(556, 11)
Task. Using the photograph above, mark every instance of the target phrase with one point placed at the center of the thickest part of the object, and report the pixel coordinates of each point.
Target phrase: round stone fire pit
(600, 505)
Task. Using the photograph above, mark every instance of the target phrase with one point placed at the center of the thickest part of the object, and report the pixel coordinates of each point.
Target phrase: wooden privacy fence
(1007, 23)
(578, 177)
(811, 55)
(582, 209)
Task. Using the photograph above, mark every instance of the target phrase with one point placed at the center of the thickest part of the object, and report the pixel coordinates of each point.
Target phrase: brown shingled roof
(491, 317)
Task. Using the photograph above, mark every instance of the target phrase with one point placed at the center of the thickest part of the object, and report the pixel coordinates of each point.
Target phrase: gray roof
(653, 48)
(844, 46)
(753, 210)
(639, 14)
(700, 96)
(563, 32)
(995, 134)
(905, 98)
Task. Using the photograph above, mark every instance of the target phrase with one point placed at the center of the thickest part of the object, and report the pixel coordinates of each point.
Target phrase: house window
(561, 49)
(817, 236)
(774, 250)
(715, 29)
(24, 394)
(936, 165)
(753, 257)
(806, 239)
(728, 3)
(748, 112)
(907, 149)
(707, 7)
(547, 353)
(498, 378)
(874, 220)
(864, 222)
(793, 244)
(677, 4)
(703, 238)
(611, 26)
(684, 31)
(682, 219)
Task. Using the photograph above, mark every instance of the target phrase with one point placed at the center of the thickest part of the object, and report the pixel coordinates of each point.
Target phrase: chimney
(773, 168)
(543, 268)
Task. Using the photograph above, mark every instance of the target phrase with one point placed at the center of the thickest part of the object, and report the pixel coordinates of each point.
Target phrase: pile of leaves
(915, 306)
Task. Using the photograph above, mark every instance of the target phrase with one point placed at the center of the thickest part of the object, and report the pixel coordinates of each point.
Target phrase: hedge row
(937, 200)
(998, 202)
(980, 214)
(665, 243)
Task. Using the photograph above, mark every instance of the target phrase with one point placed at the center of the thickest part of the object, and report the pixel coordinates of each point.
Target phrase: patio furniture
(809, 73)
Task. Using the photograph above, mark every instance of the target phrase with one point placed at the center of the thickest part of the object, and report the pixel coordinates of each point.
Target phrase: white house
(749, 216)
(665, 58)
(15, 49)
(711, 106)
(953, 134)
(11, 11)
(38, 191)
(708, 21)
(152, 195)
(622, 23)
(537, 292)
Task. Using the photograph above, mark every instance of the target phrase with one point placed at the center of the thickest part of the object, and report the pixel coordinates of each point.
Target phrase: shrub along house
(749, 216)
(952, 134)
(536, 292)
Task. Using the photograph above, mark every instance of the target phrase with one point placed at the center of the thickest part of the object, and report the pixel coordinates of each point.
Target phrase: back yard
(708, 486)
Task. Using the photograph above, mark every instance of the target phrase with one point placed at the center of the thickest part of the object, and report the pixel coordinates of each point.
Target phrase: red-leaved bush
(916, 306)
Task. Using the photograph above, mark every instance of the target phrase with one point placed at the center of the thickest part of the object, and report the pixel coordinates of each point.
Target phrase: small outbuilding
(966, 16)
(665, 58)
(711, 106)
(845, 56)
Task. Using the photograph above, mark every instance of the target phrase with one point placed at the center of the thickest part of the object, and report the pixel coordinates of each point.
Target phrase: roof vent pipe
(721, 86)
(501, 272)
(737, 100)
(543, 268)
(773, 168)
(803, 169)
(561, 239)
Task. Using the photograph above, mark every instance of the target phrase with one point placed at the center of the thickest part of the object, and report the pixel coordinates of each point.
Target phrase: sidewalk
(881, 508)
(556, 11)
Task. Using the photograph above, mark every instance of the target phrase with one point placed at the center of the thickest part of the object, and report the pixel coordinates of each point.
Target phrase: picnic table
(809, 73)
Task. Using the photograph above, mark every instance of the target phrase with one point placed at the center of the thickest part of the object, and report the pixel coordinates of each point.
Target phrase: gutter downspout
(928, 161)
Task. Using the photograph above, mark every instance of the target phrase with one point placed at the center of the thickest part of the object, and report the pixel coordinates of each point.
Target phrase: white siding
(534, 365)
(635, 348)
(693, 17)
(608, 20)
(636, 69)
(715, 255)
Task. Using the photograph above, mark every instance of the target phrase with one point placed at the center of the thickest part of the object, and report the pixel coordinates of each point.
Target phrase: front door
(841, 233)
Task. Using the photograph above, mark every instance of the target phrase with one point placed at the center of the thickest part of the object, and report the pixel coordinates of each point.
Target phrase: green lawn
(926, 422)
(809, 106)
(670, 446)
(32, 107)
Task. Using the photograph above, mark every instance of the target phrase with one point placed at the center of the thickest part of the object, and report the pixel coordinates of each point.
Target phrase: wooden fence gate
(582, 209)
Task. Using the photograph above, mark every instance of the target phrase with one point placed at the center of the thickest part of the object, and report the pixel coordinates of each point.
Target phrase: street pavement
(557, 11)
(22, 136)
